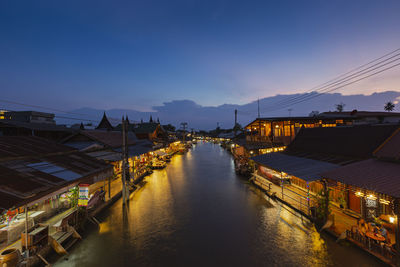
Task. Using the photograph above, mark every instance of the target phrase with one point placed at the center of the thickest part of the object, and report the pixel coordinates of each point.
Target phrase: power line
(347, 78)
(42, 107)
(337, 79)
(327, 86)
(336, 88)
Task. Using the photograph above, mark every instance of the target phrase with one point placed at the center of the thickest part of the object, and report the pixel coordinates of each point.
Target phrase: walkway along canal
(198, 212)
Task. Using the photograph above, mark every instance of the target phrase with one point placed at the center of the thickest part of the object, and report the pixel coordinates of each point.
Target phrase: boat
(157, 164)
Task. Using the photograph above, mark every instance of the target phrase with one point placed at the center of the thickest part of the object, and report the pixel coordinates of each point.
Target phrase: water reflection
(197, 212)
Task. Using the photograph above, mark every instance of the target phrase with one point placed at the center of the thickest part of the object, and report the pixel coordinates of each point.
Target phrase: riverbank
(299, 201)
(197, 212)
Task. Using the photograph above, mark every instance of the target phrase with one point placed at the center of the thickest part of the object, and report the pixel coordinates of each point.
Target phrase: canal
(198, 212)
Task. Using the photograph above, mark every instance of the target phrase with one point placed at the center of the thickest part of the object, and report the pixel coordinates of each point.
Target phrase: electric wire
(336, 88)
(332, 84)
(337, 79)
(348, 78)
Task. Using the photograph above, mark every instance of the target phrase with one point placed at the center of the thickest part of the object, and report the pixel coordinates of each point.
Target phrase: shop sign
(83, 195)
(370, 203)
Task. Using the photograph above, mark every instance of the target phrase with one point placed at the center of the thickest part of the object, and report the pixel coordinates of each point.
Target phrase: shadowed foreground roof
(340, 145)
(32, 167)
(379, 176)
(391, 148)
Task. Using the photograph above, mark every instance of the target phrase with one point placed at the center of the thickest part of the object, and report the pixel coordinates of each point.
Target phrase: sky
(140, 54)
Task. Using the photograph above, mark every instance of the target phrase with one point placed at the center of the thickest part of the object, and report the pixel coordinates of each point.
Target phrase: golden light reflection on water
(104, 227)
(197, 205)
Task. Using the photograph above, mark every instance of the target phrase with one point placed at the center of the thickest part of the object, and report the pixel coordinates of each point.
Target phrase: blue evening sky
(138, 54)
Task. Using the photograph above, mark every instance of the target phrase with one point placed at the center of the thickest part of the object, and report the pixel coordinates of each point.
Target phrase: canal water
(198, 212)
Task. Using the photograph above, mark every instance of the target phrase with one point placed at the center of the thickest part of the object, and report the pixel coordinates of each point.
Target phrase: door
(354, 202)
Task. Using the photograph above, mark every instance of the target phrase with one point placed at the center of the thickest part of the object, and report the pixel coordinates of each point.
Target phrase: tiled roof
(360, 114)
(340, 144)
(371, 174)
(391, 148)
(109, 138)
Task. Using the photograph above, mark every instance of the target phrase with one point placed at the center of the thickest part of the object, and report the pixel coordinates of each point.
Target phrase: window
(287, 130)
(277, 132)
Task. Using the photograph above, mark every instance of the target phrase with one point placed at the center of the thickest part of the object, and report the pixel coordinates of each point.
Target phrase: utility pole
(124, 160)
(234, 127)
(259, 119)
(26, 233)
(184, 125)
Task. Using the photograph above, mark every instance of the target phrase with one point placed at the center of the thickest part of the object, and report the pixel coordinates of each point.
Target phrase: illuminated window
(287, 130)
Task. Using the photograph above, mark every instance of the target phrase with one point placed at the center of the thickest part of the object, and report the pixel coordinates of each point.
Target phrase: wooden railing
(382, 250)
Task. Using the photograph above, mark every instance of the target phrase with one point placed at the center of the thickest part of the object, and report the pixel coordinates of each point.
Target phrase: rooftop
(306, 169)
(35, 126)
(391, 148)
(371, 174)
(340, 145)
(87, 138)
(31, 167)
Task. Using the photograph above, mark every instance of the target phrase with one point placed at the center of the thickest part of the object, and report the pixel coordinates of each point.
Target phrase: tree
(314, 113)
(169, 127)
(389, 106)
(151, 118)
(340, 107)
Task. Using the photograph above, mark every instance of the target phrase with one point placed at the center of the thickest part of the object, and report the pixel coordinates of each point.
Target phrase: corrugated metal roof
(22, 146)
(81, 145)
(372, 174)
(31, 166)
(106, 155)
(306, 169)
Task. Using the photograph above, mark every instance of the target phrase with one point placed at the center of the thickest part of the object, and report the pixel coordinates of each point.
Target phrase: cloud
(207, 117)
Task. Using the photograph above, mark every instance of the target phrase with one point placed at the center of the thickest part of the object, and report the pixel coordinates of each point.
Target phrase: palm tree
(389, 106)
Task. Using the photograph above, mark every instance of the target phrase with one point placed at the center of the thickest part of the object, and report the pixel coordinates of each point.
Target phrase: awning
(135, 151)
(375, 175)
(303, 168)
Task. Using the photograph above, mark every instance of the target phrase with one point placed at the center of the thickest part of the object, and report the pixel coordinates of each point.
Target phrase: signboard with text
(83, 195)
